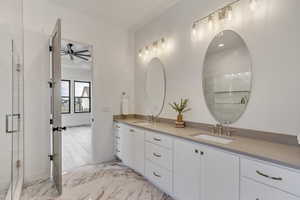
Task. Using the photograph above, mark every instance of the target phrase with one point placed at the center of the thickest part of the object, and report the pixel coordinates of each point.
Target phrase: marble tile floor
(76, 147)
(110, 181)
(3, 195)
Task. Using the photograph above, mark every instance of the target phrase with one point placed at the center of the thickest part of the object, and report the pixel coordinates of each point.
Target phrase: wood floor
(76, 147)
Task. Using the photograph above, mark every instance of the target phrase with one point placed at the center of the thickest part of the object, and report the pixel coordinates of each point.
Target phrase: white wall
(113, 74)
(76, 74)
(272, 35)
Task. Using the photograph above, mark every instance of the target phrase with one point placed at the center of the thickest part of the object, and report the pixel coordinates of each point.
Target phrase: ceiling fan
(81, 54)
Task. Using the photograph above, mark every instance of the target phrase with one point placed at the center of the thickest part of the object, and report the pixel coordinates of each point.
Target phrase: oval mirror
(155, 87)
(227, 77)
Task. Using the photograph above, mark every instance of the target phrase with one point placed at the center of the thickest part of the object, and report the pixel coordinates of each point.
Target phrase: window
(82, 97)
(65, 97)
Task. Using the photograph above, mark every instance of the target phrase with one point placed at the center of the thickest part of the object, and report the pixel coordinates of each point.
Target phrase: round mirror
(155, 87)
(227, 77)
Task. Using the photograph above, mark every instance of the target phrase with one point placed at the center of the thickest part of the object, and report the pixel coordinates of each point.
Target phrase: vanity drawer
(159, 139)
(251, 190)
(280, 178)
(159, 155)
(158, 176)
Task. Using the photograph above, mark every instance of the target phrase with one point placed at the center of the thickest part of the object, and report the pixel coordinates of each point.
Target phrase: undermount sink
(142, 123)
(213, 139)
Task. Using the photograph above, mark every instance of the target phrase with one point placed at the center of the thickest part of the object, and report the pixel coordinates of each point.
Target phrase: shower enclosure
(11, 99)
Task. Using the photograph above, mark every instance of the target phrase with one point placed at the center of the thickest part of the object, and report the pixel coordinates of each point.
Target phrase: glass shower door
(11, 99)
(5, 110)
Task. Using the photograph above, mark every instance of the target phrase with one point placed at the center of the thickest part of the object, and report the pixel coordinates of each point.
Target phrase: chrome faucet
(151, 118)
(220, 130)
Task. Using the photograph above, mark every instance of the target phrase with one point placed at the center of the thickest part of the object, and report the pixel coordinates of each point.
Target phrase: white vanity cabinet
(263, 181)
(187, 170)
(159, 160)
(130, 147)
(251, 190)
(221, 175)
(201, 173)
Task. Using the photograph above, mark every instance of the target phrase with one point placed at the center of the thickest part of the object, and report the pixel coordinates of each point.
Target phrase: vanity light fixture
(154, 49)
(224, 13)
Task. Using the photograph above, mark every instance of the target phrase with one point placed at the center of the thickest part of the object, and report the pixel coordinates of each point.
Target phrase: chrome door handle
(269, 177)
(7, 122)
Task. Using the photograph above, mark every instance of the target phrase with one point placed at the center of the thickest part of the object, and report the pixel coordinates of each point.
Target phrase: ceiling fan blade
(82, 58)
(84, 55)
(82, 51)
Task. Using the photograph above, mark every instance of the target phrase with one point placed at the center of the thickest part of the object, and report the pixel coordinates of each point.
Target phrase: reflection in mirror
(155, 87)
(227, 77)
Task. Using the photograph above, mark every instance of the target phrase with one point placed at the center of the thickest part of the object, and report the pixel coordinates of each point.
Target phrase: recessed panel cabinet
(251, 190)
(130, 147)
(220, 175)
(187, 170)
(202, 173)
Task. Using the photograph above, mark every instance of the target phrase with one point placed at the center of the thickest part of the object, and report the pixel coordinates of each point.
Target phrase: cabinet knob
(131, 130)
(196, 151)
(202, 153)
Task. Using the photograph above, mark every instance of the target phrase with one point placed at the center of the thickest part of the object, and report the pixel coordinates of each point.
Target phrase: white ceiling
(128, 13)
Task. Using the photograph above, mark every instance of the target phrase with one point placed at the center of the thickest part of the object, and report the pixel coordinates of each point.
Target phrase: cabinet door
(187, 170)
(138, 150)
(251, 190)
(124, 145)
(220, 175)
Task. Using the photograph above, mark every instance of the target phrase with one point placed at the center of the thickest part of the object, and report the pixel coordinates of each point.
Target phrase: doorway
(76, 104)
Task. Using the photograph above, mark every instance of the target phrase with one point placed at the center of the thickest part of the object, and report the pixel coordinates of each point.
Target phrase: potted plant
(180, 108)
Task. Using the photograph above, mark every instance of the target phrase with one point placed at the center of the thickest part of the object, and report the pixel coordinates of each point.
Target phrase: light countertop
(282, 154)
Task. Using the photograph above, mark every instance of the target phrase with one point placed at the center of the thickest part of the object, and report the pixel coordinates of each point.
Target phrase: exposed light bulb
(229, 13)
(194, 31)
(140, 53)
(210, 21)
(253, 4)
(147, 51)
(163, 43)
(199, 33)
(221, 45)
(155, 48)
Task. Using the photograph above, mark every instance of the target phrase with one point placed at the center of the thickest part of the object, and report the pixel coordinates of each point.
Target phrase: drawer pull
(118, 137)
(118, 151)
(267, 176)
(118, 126)
(155, 174)
(157, 139)
(131, 130)
(157, 155)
